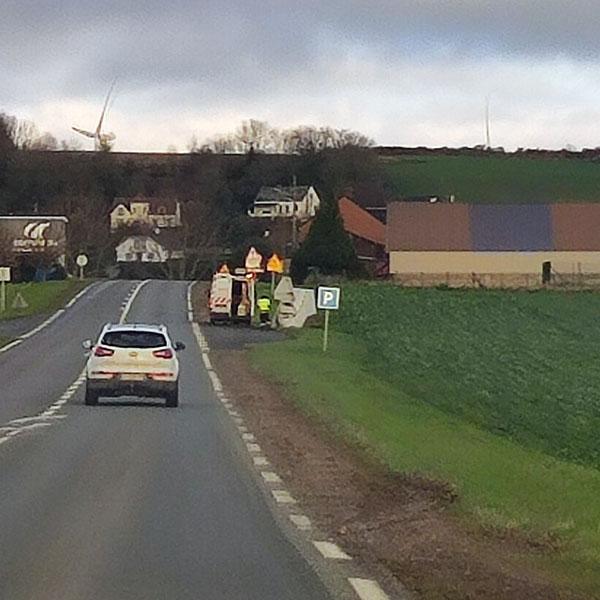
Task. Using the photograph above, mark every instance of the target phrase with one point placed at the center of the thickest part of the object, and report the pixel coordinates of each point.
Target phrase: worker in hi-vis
(264, 309)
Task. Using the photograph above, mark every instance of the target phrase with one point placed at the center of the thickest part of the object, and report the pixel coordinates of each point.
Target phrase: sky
(404, 72)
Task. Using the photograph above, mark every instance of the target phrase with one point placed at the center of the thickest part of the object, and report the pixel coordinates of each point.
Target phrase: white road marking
(248, 437)
(302, 522)
(238, 420)
(190, 308)
(367, 589)
(331, 550)
(206, 361)
(47, 322)
(283, 497)
(253, 448)
(260, 461)
(131, 299)
(270, 477)
(10, 345)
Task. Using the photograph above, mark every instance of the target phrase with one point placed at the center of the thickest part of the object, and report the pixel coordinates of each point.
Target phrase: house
(293, 202)
(150, 249)
(141, 210)
(491, 245)
(367, 232)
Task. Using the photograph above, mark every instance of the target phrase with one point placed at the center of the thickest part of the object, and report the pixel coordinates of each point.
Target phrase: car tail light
(166, 353)
(102, 351)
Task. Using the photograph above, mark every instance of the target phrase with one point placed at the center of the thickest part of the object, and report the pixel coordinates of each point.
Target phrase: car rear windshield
(134, 339)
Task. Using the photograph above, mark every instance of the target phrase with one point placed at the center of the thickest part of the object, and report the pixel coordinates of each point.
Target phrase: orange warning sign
(275, 264)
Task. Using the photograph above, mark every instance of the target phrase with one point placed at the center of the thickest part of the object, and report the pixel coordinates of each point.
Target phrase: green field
(496, 179)
(41, 298)
(495, 392)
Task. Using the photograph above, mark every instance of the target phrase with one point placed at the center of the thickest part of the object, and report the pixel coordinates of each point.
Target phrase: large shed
(496, 244)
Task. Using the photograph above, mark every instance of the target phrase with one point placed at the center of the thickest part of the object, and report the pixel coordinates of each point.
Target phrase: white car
(133, 360)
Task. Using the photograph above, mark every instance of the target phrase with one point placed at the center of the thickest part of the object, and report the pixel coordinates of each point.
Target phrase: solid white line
(47, 322)
(302, 522)
(367, 589)
(135, 292)
(331, 550)
(11, 345)
(283, 497)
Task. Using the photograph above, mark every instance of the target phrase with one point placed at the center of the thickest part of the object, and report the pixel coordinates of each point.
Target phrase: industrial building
(491, 245)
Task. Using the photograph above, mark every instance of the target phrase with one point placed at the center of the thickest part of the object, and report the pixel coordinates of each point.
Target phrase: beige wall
(492, 262)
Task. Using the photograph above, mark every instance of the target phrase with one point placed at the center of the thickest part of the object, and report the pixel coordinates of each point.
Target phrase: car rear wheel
(172, 400)
(91, 397)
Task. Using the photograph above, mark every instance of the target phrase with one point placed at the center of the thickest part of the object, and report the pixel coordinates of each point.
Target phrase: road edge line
(25, 336)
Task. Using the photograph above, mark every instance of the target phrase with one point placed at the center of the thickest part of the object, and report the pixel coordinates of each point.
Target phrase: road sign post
(4, 279)
(82, 261)
(328, 299)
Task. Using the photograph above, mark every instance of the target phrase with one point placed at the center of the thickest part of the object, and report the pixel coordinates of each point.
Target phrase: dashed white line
(331, 550)
(253, 448)
(302, 522)
(270, 477)
(367, 589)
(248, 437)
(260, 461)
(131, 299)
(283, 497)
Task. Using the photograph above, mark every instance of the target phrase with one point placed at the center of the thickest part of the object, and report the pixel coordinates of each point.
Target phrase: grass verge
(502, 483)
(41, 298)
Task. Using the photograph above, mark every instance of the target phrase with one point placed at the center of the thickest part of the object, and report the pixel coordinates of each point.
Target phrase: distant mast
(488, 143)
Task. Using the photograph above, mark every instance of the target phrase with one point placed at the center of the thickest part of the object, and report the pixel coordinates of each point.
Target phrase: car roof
(134, 326)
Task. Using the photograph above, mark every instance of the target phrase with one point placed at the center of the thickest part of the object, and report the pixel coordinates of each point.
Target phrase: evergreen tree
(327, 248)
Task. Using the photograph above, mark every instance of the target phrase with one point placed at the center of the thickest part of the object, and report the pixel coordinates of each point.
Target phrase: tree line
(216, 190)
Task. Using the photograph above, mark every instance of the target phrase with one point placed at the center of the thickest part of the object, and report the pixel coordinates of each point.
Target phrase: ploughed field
(496, 179)
(494, 392)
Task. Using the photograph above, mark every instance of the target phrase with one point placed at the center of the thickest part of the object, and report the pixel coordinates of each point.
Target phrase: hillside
(495, 179)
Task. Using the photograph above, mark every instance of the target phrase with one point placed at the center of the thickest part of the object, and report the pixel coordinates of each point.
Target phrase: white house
(300, 202)
(146, 249)
(155, 212)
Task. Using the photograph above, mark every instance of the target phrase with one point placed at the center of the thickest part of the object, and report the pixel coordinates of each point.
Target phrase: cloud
(402, 71)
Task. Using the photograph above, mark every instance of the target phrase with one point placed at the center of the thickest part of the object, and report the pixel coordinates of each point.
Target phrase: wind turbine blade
(112, 85)
(83, 132)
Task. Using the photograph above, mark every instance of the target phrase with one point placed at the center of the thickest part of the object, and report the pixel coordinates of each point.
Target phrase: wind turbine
(102, 141)
(488, 143)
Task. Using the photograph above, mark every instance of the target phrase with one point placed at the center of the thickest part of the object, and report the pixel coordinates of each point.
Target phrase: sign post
(328, 299)
(82, 261)
(274, 265)
(4, 278)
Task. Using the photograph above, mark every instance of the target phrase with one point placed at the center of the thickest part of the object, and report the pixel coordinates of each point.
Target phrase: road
(130, 500)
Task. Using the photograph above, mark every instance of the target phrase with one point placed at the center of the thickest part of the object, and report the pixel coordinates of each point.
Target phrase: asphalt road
(130, 500)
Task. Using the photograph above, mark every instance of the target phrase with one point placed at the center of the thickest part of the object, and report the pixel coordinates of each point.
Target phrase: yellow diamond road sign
(275, 264)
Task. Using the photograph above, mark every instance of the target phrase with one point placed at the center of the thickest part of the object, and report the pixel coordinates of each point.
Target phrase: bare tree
(261, 137)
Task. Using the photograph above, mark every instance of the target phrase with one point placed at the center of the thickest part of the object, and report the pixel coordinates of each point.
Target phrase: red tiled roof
(360, 223)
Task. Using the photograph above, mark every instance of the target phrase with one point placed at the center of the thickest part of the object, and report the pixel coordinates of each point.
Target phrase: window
(134, 339)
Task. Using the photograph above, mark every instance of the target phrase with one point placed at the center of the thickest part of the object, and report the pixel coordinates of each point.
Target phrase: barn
(492, 245)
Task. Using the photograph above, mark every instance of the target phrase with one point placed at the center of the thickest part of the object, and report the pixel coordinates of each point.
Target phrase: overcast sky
(405, 72)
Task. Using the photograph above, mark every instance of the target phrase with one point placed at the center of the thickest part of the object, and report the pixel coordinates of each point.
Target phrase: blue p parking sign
(328, 298)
